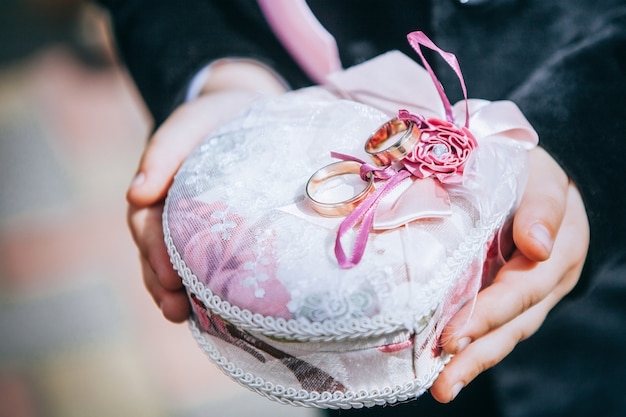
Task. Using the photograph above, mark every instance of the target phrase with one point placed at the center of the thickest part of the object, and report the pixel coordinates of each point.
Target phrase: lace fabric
(271, 305)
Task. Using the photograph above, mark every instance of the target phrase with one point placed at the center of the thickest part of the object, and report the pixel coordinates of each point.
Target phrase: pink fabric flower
(442, 151)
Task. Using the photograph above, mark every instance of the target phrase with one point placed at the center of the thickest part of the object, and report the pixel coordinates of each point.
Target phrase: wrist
(236, 75)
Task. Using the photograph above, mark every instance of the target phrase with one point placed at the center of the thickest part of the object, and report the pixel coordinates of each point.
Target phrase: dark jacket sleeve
(164, 43)
(576, 103)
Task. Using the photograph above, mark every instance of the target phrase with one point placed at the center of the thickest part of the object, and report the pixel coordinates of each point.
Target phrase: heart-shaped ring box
(271, 305)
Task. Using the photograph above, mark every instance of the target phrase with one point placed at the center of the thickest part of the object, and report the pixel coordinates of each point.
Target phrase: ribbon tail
(417, 40)
(413, 199)
(363, 214)
(360, 243)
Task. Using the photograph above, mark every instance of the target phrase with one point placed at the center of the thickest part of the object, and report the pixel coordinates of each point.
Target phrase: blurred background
(79, 335)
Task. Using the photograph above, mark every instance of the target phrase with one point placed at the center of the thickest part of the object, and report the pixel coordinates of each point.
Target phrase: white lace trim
(303, 330)
(332, 400)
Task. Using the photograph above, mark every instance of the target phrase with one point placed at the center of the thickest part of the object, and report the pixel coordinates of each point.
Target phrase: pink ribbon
(363, 215)
(418, 39)
(308, 42)
(395, 84)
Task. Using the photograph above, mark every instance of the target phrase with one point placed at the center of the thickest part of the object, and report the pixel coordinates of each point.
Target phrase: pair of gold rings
(332, 180)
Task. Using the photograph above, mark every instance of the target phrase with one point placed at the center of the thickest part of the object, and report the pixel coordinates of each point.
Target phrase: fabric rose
(442, 151)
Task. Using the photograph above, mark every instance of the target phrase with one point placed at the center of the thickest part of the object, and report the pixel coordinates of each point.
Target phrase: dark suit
(563, 62)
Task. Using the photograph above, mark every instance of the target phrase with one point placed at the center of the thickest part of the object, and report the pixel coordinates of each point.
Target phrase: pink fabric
(238, 274)
(441, 152)
(315, 50)
(455, 143)
(417, 40)
(422, 199)
(312, 47)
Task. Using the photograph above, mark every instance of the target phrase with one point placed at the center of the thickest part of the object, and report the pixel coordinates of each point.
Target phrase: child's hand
(545, 267)
(231, 89)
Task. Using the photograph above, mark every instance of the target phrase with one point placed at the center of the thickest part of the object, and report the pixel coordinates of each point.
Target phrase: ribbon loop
(363, 216)
(441, 153)
(379, 173)
(417, 40)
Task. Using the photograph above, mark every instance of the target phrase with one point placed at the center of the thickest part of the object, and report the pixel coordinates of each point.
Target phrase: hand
(224, 96)
(551, 232)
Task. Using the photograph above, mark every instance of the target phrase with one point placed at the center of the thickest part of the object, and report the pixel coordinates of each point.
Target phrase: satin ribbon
(363, 215)
(389, 89)
(512, 125)
(399, 82)
(362, 218)
(416, 40)
(308, 42)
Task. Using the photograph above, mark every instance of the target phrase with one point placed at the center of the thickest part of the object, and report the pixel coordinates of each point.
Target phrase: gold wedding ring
(407, 134)
(321, 182)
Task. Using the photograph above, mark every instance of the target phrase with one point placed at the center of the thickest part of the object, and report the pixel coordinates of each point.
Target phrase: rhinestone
(439, 150)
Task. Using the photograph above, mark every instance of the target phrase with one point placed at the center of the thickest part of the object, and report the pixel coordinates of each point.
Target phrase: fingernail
(462, 344)
(456, 388)
(541, 234)
(138, 180)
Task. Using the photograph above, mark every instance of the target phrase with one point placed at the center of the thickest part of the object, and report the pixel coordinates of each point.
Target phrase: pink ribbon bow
(441, 152)
(391, 82)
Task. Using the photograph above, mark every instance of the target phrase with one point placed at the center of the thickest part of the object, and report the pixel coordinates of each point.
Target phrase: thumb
(175, 139)
(164, 153)
(538, 219)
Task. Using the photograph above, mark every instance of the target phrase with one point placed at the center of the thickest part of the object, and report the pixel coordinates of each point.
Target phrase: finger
(174, 305)
(488, 351)
(522, 283)
(164, 153)
(493, 338)
(147, 230)
(160, 278)
(538, 219)
(501, 336)
(519, 285)
(176, 138)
